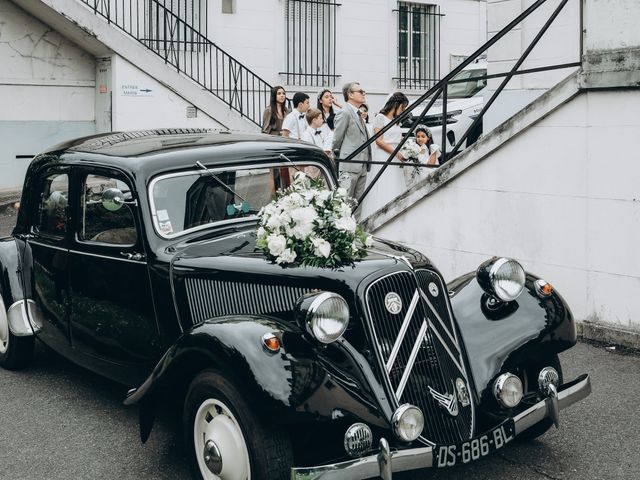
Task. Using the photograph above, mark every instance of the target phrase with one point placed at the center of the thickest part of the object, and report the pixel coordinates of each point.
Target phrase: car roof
(149, 152)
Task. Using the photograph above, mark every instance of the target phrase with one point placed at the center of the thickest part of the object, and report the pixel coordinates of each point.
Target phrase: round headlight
(502, 277)
(327, 317)
(407, 422)
(508, 390)
(358, 440)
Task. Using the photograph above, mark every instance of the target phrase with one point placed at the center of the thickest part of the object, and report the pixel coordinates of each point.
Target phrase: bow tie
(318, 132)
(301, 116)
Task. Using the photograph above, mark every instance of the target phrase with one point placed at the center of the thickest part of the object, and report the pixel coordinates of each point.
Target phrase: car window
(188, 200)
(467, 89)
(97, 224)
(52, 211)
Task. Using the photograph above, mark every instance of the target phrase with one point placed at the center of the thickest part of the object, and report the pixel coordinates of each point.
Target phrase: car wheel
(15, 352)
(531, 372)
(224, 438)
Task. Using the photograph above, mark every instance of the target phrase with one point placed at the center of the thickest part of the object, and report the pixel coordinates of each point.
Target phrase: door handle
(132, 256)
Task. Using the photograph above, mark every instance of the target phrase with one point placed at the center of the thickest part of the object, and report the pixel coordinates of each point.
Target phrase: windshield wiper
(232, 208)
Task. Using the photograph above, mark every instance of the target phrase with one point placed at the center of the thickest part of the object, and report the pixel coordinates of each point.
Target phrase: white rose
(261, 232)
(348, 224)
(276, 244)
(342, 192)
(303, 219)
(322, 248)
(287, 256)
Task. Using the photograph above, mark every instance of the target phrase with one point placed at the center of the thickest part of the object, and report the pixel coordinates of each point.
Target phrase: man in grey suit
(349, 134)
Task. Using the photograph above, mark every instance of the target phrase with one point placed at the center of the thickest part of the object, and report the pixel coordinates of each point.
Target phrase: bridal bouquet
(306, 224)
(411, 152)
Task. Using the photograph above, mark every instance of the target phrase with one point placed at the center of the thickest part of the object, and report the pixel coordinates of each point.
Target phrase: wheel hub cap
(212, 457)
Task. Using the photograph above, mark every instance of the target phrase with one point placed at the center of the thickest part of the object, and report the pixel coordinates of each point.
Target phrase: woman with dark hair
(326, 101)
(276, 111)
(391, 183)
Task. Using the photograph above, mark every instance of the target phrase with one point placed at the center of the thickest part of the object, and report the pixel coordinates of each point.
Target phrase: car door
(113, 322)
(48, 243)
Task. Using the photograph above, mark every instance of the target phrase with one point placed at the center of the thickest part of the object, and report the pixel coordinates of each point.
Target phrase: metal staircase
(172, 30)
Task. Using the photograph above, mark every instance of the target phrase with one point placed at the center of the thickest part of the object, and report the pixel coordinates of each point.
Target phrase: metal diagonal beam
(506, 80)
(440, 84)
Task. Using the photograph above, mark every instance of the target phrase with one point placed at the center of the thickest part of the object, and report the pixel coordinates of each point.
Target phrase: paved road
(60, 422)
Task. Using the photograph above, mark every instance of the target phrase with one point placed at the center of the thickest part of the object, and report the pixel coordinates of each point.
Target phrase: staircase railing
(172, 31)
(439, 90)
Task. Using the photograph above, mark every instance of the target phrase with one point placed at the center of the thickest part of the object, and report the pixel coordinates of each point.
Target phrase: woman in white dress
(391, 183)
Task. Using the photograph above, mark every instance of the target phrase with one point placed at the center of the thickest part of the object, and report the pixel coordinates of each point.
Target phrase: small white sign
(132, 90)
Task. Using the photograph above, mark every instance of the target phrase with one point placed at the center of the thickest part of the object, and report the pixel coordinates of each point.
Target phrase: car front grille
(420, 353)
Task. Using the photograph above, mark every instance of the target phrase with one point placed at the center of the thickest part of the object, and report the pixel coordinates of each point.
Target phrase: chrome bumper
(386, 461)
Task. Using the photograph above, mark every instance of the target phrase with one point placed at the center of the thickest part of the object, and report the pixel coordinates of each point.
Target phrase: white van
(464, 103)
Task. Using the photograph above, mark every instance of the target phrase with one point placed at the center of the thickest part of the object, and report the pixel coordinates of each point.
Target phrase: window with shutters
(311, 42)
(418, 45)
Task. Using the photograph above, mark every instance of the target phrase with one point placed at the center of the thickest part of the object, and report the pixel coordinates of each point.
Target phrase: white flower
(348, 224)
(276, 244)
(322, 248)
(291, 201)
(341, 192)
(261, 232)
(323, 195)
(368, 241)
(303, 218)
(287, 256)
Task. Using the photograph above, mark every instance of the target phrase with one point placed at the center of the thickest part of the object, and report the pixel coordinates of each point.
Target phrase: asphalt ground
(59, 422)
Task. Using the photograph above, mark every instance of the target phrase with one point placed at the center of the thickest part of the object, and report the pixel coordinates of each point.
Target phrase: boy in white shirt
(317, 133)
(295, 123)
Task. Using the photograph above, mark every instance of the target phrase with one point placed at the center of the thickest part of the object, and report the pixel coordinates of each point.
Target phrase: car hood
(236, 256)
(452, 105)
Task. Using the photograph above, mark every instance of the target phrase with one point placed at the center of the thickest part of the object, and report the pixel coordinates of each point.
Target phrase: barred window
(311, 42)
(418, 45)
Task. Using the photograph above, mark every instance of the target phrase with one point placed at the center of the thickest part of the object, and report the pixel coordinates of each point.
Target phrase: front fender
(524, 329)
(17, 302)
(302, 381)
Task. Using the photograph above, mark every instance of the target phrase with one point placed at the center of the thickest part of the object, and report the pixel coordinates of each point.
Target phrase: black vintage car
(134, 256)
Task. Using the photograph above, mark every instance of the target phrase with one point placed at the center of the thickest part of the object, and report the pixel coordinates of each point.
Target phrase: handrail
(440, 89)
(182, 46)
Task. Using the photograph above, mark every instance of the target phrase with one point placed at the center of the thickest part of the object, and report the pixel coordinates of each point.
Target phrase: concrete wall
(366, 37)
(559, 45)
(137, 109)
(562, 198)
(46, 91)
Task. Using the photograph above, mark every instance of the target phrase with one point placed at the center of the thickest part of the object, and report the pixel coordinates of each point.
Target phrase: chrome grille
(216, 298)
(419, 351)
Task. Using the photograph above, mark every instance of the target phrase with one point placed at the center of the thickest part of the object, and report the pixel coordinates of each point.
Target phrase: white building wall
(366, 39)
(562, 198)
(559, 45)
(137, 109)
(46, 91)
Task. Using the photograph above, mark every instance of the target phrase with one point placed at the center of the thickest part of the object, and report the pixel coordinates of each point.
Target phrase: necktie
(301, 116)
(318, 132)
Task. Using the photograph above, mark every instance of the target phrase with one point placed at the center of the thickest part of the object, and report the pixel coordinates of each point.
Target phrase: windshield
(467, 89)
(185, 201)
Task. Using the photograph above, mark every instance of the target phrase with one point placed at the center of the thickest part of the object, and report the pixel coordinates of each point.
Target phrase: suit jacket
(348, 135)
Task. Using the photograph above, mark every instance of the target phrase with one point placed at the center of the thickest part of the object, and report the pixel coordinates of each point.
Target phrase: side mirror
(112, 199)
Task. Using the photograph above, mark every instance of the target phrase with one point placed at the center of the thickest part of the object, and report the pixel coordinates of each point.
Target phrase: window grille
(311, 42)
(418, 45)
(176, 24)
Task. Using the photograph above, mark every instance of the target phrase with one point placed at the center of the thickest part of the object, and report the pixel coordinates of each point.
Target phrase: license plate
(476, 448)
